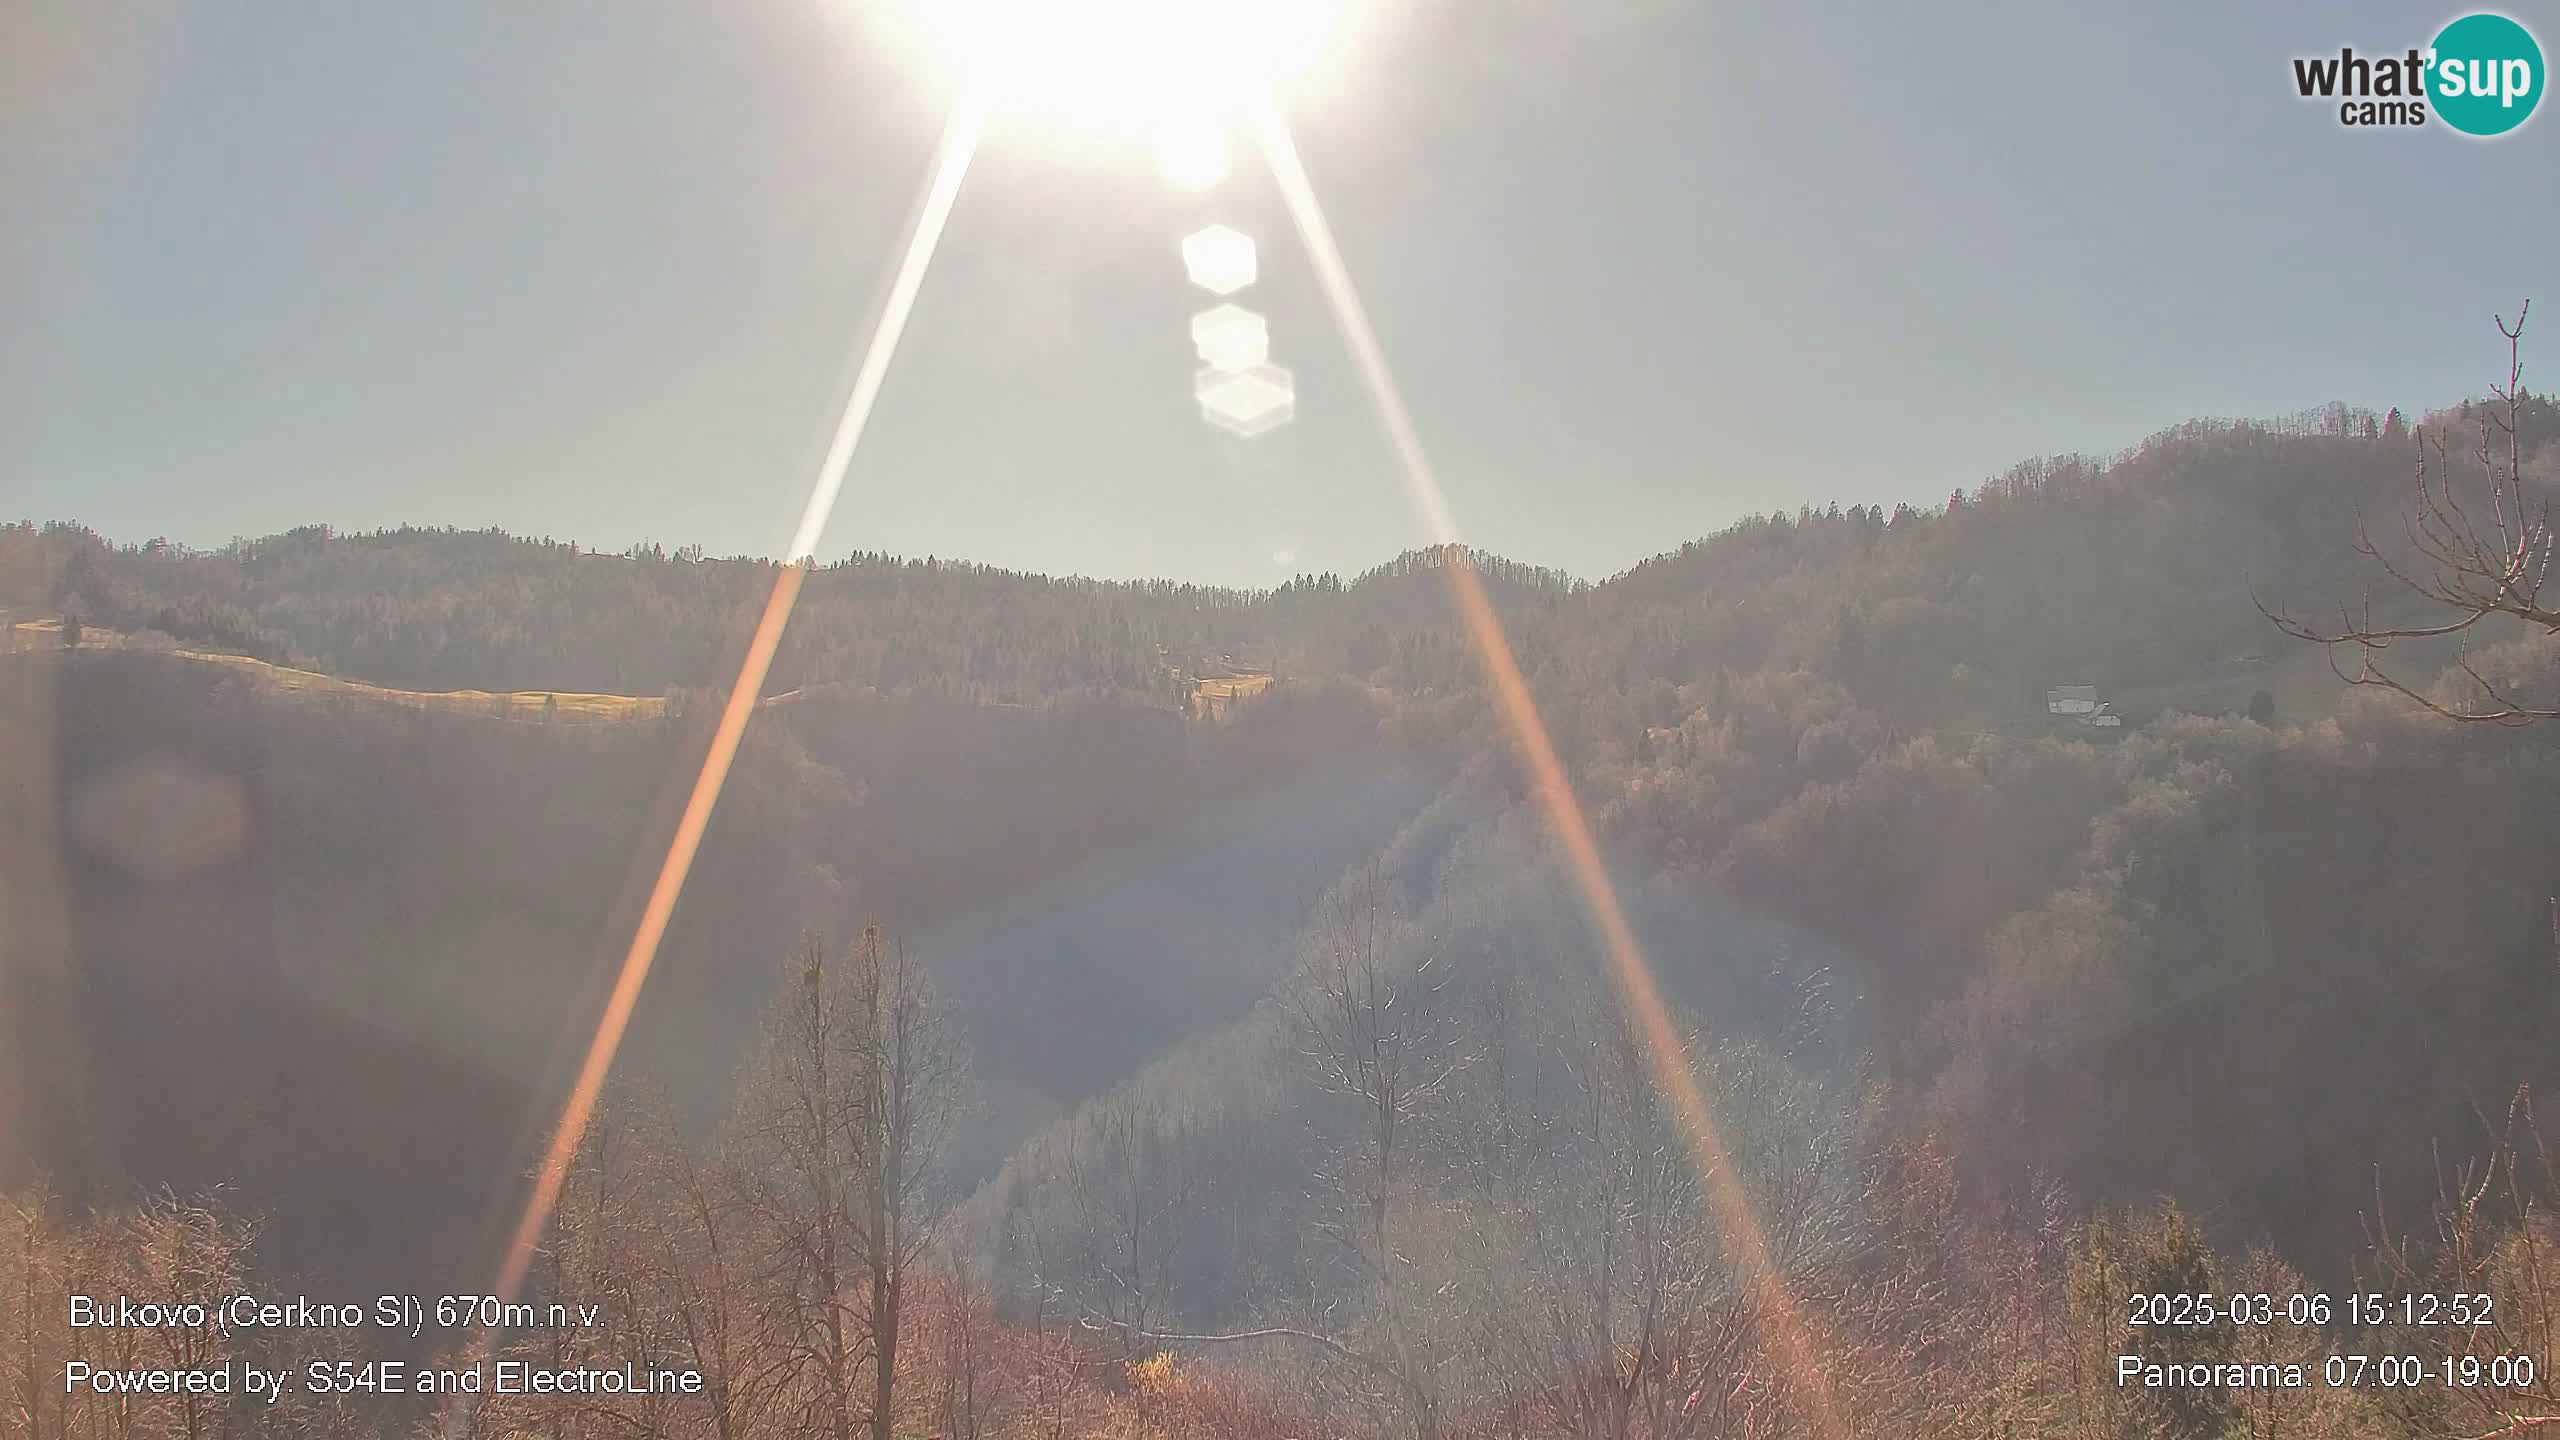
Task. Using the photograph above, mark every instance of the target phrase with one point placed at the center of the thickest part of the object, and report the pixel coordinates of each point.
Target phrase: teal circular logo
(2484, 74)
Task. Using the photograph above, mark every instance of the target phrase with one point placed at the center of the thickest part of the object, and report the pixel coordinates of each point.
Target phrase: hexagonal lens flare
(1220, 260)
(1247, 402)
(1230, 337)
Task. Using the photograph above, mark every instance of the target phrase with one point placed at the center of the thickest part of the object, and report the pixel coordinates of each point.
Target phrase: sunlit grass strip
(578, 705)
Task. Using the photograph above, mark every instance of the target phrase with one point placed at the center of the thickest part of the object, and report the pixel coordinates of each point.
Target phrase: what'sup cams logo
(2482, 75)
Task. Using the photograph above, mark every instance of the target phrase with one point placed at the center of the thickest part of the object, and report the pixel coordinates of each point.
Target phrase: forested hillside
(1292, 1052)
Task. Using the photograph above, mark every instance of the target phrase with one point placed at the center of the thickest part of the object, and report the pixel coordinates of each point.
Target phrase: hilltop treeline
(445, 609)
(2278, 951)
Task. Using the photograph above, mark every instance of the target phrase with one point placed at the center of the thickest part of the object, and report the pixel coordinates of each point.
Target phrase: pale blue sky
(596, 268)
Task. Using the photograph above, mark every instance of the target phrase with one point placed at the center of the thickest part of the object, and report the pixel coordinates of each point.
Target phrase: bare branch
(2459, 567)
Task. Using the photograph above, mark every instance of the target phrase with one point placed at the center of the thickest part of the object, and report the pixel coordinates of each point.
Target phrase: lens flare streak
(959, 144)
(1735, 1215)
(1636, 985)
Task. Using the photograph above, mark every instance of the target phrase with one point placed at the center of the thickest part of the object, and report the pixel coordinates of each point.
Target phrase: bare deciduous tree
(2494, 1235)
(803, 1135)
(2468, 559)
(1379, 1034)
(1128, 1183)
(1606, 1304)
(1376, 1033)
(167, 1250)
(837, 1149)
(914, 1081)
(1374, 1029)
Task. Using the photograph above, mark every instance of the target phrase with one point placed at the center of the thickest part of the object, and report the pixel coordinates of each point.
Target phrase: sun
(1175, 71)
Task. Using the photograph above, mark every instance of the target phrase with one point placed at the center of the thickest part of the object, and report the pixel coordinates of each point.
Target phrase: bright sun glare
(1173, 71)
